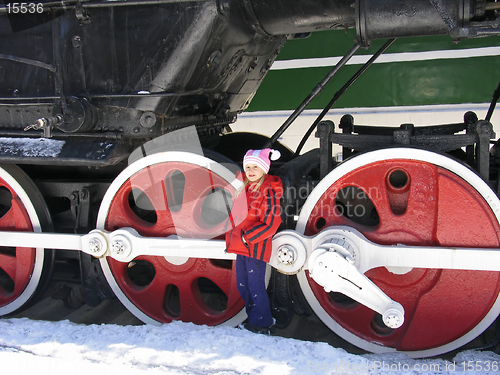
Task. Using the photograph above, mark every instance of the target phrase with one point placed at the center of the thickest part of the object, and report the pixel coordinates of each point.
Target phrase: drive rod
(339, 93)
(316, 91)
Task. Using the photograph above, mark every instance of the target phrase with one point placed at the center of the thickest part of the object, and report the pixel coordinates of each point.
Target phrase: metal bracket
(324, 133)
(46, 124)
(80, 208)
(82, 14)
(336, 272)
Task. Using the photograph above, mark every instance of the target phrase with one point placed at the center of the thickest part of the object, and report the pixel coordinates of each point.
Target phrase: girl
(251, 239)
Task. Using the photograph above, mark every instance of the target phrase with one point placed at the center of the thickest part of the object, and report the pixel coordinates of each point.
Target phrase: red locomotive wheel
(21, 269)
(164, 194)
(419, 198)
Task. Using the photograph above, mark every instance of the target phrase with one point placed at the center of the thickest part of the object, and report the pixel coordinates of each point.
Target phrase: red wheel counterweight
(410, 197)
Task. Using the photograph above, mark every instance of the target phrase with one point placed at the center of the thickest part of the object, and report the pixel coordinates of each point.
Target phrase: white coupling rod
(124, 244)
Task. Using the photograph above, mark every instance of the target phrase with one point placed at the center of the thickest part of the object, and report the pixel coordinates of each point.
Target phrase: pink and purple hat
(262, 158)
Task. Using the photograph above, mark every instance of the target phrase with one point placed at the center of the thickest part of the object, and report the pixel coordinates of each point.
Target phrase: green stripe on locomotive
(409, 83)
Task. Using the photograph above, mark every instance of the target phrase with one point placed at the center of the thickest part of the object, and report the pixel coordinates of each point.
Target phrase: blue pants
(251, 280)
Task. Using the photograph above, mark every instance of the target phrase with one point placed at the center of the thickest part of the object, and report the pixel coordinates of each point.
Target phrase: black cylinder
(373, 19)
(381, 19)
(282, 17)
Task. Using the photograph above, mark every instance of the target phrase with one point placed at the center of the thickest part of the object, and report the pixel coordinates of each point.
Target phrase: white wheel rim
(370, 157)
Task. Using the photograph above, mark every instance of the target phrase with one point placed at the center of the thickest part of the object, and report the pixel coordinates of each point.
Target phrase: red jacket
(261, 222)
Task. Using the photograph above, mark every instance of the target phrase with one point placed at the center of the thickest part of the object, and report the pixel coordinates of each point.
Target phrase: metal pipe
(117, 96)
(316, 91)
(496, 96)
(23, 60)
(339, 93)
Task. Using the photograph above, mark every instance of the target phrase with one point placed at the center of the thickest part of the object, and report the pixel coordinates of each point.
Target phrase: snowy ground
(39, 347)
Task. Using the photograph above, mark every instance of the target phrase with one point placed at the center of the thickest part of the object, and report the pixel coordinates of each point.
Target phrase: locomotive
(117, 155)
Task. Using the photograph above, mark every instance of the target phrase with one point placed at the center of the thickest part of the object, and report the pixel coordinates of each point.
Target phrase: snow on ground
(39, 347)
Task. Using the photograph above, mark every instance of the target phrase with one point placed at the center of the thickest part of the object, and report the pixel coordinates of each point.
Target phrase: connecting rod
(336, 258)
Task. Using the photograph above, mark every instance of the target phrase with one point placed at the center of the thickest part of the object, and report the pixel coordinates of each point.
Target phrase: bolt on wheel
(409, 197)
(173, 193)
(23, 271)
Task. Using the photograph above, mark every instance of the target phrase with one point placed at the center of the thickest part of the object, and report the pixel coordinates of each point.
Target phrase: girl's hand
(243, 240)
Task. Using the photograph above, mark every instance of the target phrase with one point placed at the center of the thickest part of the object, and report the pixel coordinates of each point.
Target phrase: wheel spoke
(223, 278)
(122, 214)
(191, 303)
(8, 263)
(151, 182)
(19, 266)
(152, 295)
(21, 218)
(25, 259)
(7, 221)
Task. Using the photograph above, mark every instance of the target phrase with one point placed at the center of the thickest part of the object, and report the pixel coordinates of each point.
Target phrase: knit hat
(262, 158)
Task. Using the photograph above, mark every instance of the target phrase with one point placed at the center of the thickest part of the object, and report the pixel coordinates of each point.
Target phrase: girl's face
(253, 172)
